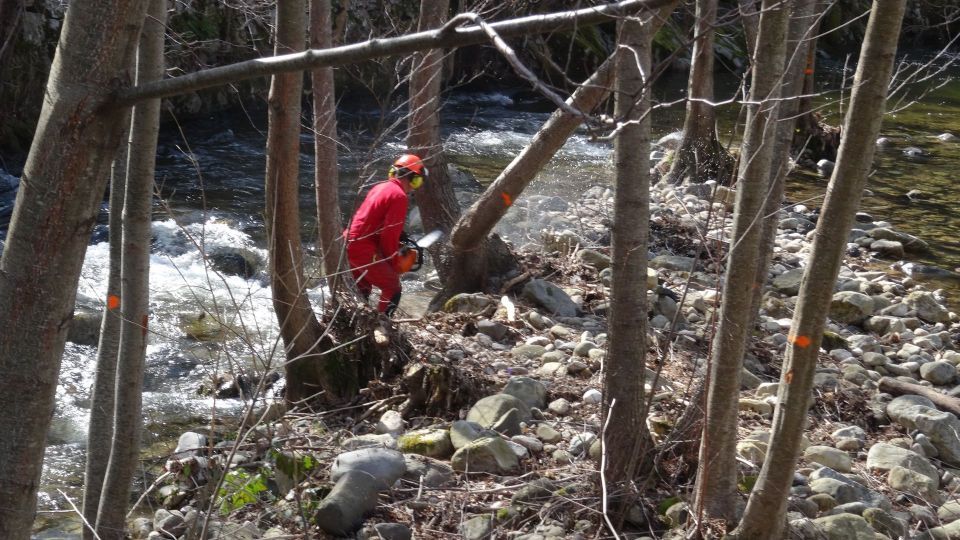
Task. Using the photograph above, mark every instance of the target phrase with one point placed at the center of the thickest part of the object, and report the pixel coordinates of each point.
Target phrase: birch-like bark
(60, 192)
(716, 487)
(763, 518)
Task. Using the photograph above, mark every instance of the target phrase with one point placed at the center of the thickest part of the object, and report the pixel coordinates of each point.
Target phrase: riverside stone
(672, 262)
(850, 307)
(789, 282)
(488, 454)
(829, 457)
(353, 496)
(942, 428)
(432, 472)
(927, 307)
(550, 297)
(939, 373)
(884, 457)
(530, 391)
(382, 464)
(490, 409)
(913, 483)
(845, 527)
(430, 442)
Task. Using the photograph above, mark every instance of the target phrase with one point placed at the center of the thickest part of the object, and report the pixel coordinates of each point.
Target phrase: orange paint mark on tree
(143, 326)
(800, 341)
(113, 301)
(788, 377)
(507, 200)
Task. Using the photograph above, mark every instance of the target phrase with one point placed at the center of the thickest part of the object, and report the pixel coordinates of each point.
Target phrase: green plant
(239, 489)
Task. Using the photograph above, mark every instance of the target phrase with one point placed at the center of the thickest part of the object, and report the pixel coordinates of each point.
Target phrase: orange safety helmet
(411, 168)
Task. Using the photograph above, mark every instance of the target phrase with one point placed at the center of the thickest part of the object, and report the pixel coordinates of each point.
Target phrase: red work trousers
(370, 272)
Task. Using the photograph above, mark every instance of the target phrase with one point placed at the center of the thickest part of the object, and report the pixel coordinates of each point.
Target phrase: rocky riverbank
(519, 457)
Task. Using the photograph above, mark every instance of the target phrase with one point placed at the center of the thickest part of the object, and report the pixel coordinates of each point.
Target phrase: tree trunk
(438, 204)
(299, 327)
(100, 431)
(628, 443)
(716, 489)
(326, 174)
(467, 249)
(798, 41)
(766, 507)
(60, 192)
(134, 289)
(700, 156)
(750, 20)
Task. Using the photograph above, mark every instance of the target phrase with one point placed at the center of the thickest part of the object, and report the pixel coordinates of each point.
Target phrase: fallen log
(899, 388)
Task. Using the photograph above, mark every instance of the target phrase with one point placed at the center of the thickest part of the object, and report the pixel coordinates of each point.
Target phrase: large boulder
(942, 428)
(383, 464)
(489, 455)
(353, 496)
(927, 307)
(850, 307)
(530, 391)
(490, 409)
(845, 527)
(551, 298)
(884, 457)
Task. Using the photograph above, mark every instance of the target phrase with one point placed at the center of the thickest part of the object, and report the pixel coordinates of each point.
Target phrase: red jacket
(379, 220)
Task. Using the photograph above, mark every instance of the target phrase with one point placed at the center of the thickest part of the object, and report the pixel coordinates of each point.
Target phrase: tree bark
(700, 156)
(60, 192)
(100, 431)
(326, 173)
(751, 21)
(799, 39)
(627, 445)
(438, 204)
(135, 279)
(767, 504)
(299, 327)
(717, 478)
(348, 54)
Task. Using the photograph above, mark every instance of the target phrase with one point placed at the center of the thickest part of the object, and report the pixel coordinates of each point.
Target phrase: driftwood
(899, 388)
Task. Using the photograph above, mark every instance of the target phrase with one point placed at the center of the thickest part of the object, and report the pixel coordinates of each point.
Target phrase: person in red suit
(373, 237)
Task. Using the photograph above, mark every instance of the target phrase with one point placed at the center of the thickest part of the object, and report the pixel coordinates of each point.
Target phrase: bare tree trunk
(60, 192)
(700, 156)
(716, 489)
(798, 42)
(477, 222)
(628, 443)
(326, 174)
(765, 509)
(134, 289)
(299, 327)
(750, 19)
(100, 431)
(438, 205)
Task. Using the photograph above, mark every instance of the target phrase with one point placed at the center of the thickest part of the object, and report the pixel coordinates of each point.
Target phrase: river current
(210, 176)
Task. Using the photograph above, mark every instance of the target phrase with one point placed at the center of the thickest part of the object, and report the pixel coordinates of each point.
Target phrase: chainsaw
(410, 255)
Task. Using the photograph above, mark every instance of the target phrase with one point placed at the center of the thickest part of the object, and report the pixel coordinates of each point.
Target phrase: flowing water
(211, 177)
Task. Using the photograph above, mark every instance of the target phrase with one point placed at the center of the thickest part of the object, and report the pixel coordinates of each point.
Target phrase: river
(210, 173)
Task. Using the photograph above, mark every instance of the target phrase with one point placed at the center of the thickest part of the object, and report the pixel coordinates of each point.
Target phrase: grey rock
(827, 456)
(390, 422)
(169, 523)
(885, 523)
(927, 307)
(580, 443)
(890, 249)
(845, 527)
(537, 491)
(850, 307)
(477, 527)
(559, 407)
(509, 423)
(844, 489)
(939, 373)
(913, 483)
(494, 329)
(547, 434)
(382, 464)
(432, 472)
(940, 427)
(84, 327)
(463, 432)
(385, 531)
(789, 282)
(910, 243)
(491, 455)
(528, 351)
(550, 297)
(469, 303)
(490, 409)
(190, 444)
(353, 496)
(369, 440)
(950, 531)
(594, 258)
(532, 444)
(530, 391)
(672, 262)
(884, 457)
